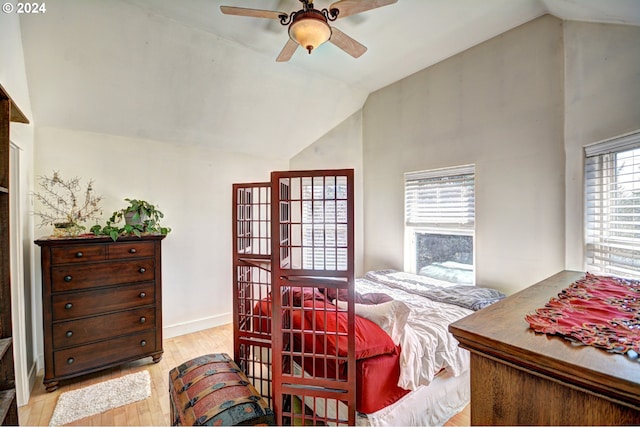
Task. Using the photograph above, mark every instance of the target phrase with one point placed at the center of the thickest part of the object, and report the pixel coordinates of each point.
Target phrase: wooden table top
(501, 332)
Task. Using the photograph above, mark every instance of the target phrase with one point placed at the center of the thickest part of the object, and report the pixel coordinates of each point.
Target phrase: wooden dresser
(519, 377)
(101, 303)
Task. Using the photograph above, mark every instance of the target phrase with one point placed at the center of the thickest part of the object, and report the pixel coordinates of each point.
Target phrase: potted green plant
(139, 217)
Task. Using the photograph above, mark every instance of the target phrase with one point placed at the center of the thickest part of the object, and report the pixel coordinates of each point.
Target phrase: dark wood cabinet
(519, 377)
(9, 112)
(101, 302)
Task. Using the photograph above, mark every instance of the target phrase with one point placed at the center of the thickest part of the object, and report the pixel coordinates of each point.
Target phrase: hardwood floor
(461, 419)
(155, 410)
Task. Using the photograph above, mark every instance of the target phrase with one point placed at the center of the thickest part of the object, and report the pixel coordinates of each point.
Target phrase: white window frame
(412, 229)
(597, 238)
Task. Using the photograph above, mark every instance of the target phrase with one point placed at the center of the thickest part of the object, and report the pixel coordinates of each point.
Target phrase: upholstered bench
(211, 390)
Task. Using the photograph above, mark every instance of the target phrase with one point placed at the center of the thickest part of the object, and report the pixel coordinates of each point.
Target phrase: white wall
(13, 76)
(14, 80)
(498, 105)
(192, 187)
(602, 101)
(341, 148)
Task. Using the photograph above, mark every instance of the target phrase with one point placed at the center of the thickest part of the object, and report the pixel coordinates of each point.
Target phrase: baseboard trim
(196, 325)
(32, 375)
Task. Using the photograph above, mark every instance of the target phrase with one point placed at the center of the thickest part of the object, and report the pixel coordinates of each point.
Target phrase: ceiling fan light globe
(310, 31)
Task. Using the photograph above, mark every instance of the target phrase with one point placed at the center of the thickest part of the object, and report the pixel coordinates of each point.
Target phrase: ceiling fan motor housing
(309, 29)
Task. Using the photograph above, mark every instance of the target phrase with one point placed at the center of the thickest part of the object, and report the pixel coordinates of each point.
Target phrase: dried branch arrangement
(61, 204)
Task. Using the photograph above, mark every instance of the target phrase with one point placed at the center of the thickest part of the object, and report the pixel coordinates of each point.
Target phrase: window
(440, 223)
(612, 206)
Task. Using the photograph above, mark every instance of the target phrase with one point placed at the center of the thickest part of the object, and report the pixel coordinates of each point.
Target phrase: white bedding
(427, 346)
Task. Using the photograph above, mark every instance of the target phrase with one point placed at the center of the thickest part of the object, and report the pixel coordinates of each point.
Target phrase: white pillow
(391, 316)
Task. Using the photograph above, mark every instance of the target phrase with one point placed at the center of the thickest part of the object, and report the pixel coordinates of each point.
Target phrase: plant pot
(128, 219)
(67, 229)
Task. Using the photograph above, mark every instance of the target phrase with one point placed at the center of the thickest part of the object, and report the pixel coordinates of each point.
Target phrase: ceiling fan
(309, 27)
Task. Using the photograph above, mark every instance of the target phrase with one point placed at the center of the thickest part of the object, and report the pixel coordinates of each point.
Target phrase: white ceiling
(181, 71)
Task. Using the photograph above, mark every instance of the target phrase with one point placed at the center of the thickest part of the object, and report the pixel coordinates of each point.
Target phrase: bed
(409, 368)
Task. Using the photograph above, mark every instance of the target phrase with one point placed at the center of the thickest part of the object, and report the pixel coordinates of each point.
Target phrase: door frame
(18, 302)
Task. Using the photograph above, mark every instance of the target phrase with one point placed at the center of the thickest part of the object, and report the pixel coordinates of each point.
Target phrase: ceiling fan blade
(255, 13)
(346, 43)
(351, 7)
(275, 26)
(287, 51)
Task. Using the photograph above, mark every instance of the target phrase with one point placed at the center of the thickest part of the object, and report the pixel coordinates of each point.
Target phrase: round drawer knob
(143, 343)
(69, 334)
(79, 254)
(70, 361)
(68, 306)
(142, 294)
(132, 251)
(142, 269)
(67, 278)
(143, 319)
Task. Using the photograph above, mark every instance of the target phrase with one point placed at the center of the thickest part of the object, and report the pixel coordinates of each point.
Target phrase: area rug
(94, 399)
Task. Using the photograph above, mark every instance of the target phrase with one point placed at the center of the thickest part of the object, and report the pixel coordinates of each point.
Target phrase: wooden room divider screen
(252, 283)
(293, 252)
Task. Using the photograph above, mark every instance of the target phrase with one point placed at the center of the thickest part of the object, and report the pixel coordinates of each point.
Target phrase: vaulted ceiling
(183, 72)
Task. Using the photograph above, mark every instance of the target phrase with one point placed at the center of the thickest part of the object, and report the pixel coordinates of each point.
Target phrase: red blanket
(599, 311)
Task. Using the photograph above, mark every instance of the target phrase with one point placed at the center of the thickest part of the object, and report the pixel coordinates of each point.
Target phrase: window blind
(612, 206)
(441, 198)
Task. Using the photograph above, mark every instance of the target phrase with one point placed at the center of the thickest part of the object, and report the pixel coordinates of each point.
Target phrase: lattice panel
(252, 284)
(313, 341)
(315, 411)
(314, 355)
(253, 220)
(313, 216)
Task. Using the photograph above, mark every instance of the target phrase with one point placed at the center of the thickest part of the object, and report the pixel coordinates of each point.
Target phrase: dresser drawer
(81, 276)
(77, 304)
(131, 250)
(80, 253)
(77, 332)
(103, 353)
